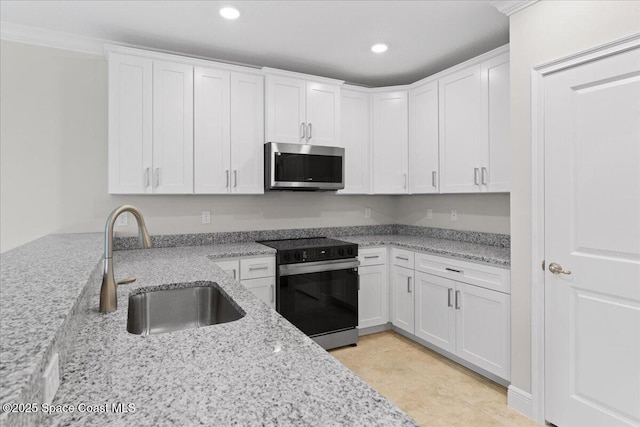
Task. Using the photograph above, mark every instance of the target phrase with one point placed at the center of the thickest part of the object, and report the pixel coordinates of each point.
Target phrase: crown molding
(40, 37)
(509, 7)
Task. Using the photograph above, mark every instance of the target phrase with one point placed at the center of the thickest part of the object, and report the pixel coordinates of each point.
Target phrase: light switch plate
(51, 380)
(429, 213)
(206, 217)
(454, 215)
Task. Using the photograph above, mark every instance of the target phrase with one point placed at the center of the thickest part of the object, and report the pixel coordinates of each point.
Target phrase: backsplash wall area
(53, 133)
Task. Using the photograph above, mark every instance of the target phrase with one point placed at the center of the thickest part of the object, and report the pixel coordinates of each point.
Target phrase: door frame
(538, 74)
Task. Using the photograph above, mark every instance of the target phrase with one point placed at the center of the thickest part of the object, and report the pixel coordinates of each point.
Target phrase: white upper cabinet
(229, 130)
(172, 128)
(474, 128)
(130, 124)
(460, 131)
(247, 133)
(390, 142)
(356, 141)
(300, 111)
(495, 175)
(212, 138)
(423, 139)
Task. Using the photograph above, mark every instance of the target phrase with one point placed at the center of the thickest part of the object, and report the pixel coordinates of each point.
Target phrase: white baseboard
(520, 400)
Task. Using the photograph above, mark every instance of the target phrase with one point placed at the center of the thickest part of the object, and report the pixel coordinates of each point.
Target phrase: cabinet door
(264, 288)
(130, 124)
(460, 131)
(323, 114)
(286, 109)
(355, 140)
(496, 157)
(423, 139)
(230, 267)
(247, 133)
(435, 313)
(172, 128)
(373, 304)
(402, 298)
(483, 328)
(390, 143)
(212, 133)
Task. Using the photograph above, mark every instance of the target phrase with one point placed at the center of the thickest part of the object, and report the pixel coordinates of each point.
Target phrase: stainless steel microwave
(303, 167)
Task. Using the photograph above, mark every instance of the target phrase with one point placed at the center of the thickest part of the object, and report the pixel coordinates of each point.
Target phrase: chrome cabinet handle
(273, 291)
(484, 176)
(235, 178)
(146, 177)
(449, 297)
(261, 267)
(433, 178)
(234, 273)
(227, 173)
(457, 300)
(404, 180)
(403, 258)
(303, 131)
(409, 285)
(556, 268)
(156, 177)
(309, 133)
(475, 176)
(453, 270)
(371, 256)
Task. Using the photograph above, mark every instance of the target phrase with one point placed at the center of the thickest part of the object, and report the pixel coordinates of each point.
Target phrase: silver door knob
(556, 268)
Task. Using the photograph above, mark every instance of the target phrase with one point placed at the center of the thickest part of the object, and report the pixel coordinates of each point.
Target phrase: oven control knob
(341, 251)
(298, 256)
(287, 256)
(350, 251)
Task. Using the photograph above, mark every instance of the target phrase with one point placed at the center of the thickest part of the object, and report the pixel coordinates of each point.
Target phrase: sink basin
(158, 311)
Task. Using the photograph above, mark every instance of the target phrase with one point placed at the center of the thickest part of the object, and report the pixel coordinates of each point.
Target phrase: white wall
(543, 32)
(478, 212)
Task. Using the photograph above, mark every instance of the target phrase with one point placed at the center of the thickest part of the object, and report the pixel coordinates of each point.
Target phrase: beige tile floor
(429, 387)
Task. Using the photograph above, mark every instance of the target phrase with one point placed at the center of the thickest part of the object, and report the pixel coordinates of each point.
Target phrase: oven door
(320, 297)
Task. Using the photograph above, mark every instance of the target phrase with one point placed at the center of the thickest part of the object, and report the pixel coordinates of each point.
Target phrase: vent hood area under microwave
(303, 167)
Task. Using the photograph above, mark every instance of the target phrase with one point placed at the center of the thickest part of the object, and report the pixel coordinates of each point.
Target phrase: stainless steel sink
(159, 311)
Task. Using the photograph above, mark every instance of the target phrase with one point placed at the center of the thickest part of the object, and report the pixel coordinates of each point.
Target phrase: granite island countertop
(259, 370)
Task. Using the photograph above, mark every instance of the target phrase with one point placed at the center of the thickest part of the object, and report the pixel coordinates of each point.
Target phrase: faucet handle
(126, 281)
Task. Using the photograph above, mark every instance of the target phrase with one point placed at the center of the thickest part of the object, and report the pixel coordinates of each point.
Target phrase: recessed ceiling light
(229, 13)
(379, 48)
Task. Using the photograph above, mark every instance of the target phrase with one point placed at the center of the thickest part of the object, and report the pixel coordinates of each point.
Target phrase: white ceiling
(326, 38)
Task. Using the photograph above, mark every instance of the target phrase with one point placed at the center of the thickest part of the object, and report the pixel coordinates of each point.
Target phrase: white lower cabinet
(373, 298)
(435, 315)
(258, 275)
(264, 288)
(402, 300)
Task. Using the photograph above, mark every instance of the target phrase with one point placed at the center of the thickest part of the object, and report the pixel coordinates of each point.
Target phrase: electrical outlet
(51, 380)
(123, 220)
(206, 217)
(367, 212)
(454, 215)
(429, 213)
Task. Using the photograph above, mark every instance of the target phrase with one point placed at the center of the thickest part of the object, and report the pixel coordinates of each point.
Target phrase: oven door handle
(316, 267)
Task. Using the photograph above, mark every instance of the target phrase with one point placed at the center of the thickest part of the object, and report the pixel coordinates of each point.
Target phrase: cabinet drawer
(373, 256)
(253, 268)
(402, 258)
(485, 276)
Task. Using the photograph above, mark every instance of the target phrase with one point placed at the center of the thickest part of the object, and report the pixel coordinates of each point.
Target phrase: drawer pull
(371, 256)
(403, 258)
(453, 270)
(262, 267)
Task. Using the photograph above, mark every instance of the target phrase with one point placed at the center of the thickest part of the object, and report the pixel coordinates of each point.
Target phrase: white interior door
(592, 229)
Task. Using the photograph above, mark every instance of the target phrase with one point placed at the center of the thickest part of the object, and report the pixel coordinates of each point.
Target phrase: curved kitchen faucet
(108, 294)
